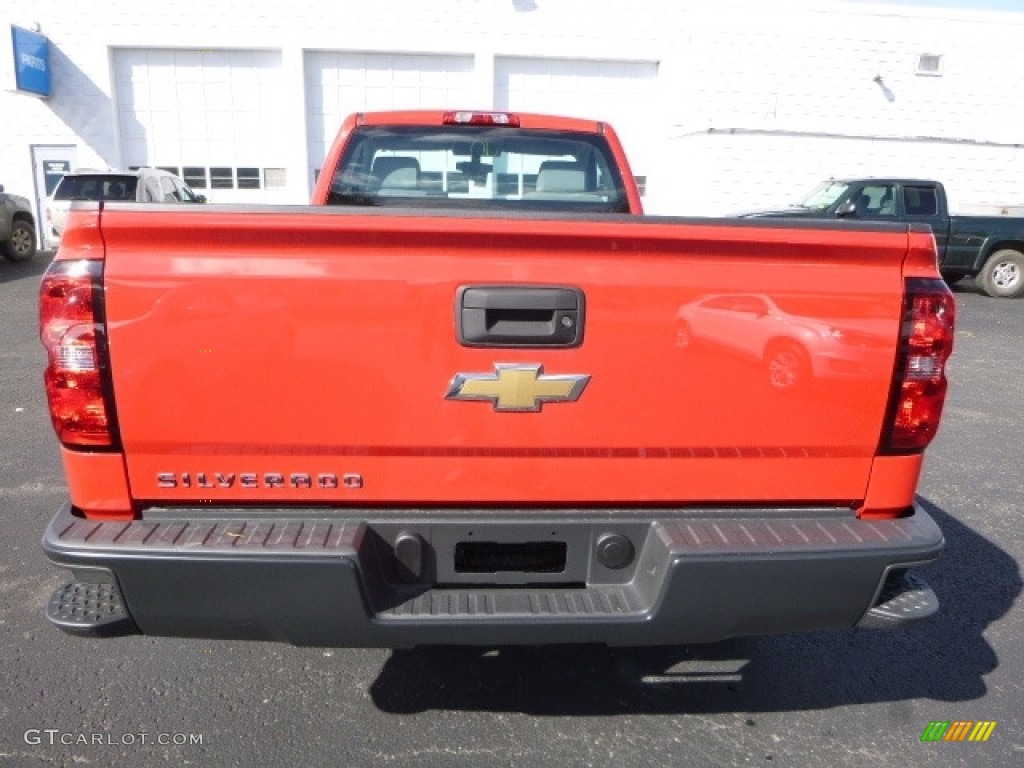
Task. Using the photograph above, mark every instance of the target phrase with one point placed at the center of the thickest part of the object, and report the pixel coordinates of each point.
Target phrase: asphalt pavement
(851, 698)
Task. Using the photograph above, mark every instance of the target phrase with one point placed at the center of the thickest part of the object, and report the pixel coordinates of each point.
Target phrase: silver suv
(145, 185)
(17, 227)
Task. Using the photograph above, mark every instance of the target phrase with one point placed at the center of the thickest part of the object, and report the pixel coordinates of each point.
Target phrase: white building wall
(723, 105)
(854, 72)
(778, 101)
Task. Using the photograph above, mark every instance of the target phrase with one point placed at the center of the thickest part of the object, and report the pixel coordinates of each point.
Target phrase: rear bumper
(637, 577)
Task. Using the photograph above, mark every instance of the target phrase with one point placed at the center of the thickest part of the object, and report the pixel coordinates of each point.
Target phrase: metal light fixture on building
(886, 90)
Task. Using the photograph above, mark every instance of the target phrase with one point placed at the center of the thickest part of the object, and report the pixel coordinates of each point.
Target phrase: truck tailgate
(305, 357)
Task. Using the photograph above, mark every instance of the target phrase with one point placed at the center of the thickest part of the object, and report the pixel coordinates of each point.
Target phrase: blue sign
(31, 62)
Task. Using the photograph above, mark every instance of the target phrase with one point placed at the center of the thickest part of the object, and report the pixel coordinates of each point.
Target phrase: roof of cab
(526, 119)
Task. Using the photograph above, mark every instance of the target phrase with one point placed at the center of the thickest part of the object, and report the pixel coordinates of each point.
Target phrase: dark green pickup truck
(17, 227)
(987, 248)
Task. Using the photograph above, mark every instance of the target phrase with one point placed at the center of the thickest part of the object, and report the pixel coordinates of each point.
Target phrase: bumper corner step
(905, 600)
(89, 609)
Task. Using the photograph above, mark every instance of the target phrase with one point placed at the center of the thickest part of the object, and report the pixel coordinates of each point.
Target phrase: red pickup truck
(449, 403)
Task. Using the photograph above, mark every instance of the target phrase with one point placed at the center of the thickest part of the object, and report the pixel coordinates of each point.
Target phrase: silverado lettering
(257, 480)
(578, 423)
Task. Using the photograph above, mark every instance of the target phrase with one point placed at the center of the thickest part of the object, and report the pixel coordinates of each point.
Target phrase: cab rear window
(478, 167)
(97, 187)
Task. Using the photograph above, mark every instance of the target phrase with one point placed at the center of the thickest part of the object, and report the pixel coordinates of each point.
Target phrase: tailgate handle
(519, 316)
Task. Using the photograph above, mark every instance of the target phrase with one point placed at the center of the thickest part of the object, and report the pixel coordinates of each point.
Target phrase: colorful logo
(958, 730)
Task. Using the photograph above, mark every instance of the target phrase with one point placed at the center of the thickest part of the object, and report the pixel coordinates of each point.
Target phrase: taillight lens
(71, 329)
(919, 384)
(481, 118)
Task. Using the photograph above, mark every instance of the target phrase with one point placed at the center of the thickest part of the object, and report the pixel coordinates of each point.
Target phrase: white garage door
(338, 84)
(212, 116)
(618, 92)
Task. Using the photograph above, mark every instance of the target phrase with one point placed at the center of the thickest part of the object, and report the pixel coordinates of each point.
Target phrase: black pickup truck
(987, 248)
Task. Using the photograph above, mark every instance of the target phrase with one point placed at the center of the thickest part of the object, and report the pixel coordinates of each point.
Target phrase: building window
(641, 184)
(225, 177)
(248, 178)
(194, 176)
(222, 178)
(275, 178)
(506, 184)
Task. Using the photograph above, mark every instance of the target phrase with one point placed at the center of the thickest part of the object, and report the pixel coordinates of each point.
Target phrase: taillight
(481, 118)
(72, 330)
(919, 384)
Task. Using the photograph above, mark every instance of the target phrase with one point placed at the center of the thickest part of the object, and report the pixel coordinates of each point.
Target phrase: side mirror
(200, 198)
(846, 209)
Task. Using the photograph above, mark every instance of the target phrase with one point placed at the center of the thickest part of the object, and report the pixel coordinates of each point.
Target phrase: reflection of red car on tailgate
(797, 337)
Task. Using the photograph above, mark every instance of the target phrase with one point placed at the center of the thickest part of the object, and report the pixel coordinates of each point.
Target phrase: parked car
(144, 185)
(17, 227)
(988, 248)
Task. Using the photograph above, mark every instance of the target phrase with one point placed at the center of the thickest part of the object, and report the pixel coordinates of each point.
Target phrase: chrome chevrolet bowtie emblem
(514, 387)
